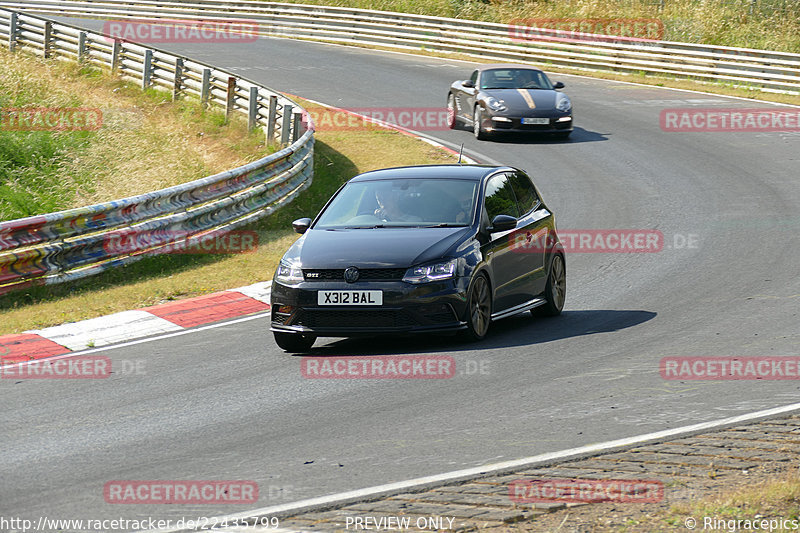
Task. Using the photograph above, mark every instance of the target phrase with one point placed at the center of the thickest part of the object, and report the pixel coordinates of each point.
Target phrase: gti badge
(351, 274)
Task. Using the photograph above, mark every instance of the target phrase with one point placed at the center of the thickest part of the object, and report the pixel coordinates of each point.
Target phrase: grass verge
(338, 156)
(146, 141)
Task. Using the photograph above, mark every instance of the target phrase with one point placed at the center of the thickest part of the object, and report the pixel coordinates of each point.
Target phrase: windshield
(515, 78)
(401, 203)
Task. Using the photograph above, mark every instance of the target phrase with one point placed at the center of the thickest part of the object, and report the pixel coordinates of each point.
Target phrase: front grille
(365, 274)
(323, 274)
(279, 318)
(346, 318)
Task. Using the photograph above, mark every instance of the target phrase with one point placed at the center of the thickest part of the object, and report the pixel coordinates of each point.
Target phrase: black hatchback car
(419, 249)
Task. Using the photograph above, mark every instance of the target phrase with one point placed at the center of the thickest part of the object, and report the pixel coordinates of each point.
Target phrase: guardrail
(72, 244)
(776, 71)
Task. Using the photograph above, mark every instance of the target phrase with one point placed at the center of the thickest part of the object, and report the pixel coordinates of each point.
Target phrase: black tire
(555, 291)
(477, 129)
(479, 308)
(452, 114)
(294, 342)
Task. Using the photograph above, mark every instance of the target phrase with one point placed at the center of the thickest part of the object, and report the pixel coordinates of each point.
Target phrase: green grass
(32, 177)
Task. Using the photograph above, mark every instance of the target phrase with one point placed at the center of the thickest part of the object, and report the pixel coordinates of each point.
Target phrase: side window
(524, 191)
(474, 78)
(499, 198)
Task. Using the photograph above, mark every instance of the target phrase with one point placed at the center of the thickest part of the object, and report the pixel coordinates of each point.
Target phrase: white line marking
(411, 484)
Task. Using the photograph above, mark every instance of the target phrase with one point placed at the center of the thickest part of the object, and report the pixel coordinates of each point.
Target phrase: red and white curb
(128, 325)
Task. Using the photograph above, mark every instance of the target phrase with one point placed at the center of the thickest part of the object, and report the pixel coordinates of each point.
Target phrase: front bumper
(407, 308)
(500, 123)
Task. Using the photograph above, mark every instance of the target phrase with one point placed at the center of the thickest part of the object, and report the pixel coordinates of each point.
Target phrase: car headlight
(288, 274)
(434, 272)
(563, 103)
(495, 104)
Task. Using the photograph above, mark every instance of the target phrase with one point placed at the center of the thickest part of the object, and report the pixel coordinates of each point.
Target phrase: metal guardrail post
(12, 31)
(272, 119)
(252, 108)
(48, 36)
(230, 97)
(116, 51)
(297, 118)
(205, 87)
(177, 84)
(81, 47)
(287, 124)
(147, 67)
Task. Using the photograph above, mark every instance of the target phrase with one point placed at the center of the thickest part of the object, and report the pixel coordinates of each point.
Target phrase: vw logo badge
(351, 274)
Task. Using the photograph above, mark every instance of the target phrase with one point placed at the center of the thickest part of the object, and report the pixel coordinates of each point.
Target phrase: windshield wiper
(383, 226)
(446, 225)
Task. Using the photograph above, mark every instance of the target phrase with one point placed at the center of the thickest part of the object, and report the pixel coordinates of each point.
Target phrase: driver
(525, 79)
(389, 209)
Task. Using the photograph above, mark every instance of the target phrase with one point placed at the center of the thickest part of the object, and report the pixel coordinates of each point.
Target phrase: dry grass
(147, 142)
(770, 498)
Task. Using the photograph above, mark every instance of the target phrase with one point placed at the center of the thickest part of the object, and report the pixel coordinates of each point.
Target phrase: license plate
(535, 120)
(350, 297)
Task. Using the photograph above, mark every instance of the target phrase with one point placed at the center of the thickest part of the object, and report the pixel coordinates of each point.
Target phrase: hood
(519, 101)
(373, 248)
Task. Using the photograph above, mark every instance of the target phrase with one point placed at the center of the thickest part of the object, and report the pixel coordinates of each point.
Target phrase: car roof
(492, 66)
(455, 171)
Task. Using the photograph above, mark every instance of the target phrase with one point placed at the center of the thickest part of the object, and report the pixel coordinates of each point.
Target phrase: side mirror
(468, 83)
(301, 225)
(558, 85)
(503, 223)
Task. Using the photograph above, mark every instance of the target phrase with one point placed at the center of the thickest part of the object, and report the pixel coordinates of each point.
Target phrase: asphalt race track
(227, 403)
